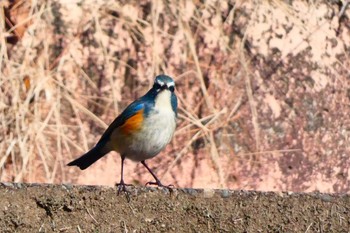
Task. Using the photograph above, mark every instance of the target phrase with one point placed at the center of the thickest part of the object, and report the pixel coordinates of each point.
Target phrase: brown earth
(67, 208)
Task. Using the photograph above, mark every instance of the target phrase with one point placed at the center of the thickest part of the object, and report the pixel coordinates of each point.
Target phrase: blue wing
(174, 103)
(131, 110)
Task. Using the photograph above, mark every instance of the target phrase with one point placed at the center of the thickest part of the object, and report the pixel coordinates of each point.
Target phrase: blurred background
(263, 88)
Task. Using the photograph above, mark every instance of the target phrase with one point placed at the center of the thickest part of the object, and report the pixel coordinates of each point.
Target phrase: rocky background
(263, 88)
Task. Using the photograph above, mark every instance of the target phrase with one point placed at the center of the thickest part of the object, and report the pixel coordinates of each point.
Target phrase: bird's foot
(122, 186)
(159, 184)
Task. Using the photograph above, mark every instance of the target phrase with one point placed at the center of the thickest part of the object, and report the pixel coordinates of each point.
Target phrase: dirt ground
(67, 208)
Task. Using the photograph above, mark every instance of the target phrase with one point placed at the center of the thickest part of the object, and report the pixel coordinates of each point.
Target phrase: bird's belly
(154, 135)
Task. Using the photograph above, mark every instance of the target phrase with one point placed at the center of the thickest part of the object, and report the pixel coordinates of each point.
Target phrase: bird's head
(163, 82)
(163, 93)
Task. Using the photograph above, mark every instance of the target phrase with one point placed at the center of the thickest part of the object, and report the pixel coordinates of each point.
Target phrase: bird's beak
(164, 87)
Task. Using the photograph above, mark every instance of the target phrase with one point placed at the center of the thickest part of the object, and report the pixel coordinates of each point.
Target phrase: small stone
(208, 193)
(225, 193)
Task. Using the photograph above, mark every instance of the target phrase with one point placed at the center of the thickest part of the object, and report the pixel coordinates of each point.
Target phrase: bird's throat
(163, 101)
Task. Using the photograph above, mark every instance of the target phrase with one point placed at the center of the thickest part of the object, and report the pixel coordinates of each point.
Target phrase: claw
(122, 187)
(159, 184)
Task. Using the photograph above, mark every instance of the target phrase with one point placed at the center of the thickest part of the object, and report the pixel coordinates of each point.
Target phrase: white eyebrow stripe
(170, 84)
(160, 82)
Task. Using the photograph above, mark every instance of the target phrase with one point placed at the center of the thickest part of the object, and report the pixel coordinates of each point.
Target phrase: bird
(140, 132)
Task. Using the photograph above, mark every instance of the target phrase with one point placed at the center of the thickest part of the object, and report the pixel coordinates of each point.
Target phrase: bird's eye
(172, 88)
(156, 86)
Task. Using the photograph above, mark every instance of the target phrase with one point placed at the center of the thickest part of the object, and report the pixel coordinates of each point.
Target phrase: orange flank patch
(133, 123)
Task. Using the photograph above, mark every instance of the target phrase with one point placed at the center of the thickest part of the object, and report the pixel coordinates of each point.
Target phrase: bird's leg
(121, 185)
(155, 177)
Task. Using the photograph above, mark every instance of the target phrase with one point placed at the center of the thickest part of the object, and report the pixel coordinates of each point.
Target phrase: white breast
(158, 130)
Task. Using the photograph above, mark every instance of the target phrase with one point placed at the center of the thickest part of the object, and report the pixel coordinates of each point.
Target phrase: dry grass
(57, 92)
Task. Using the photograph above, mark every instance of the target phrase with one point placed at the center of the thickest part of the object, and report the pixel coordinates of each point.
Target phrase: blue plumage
(174, 103)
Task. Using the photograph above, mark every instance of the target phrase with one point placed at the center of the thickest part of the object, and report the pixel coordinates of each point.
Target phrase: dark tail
(90, 157)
